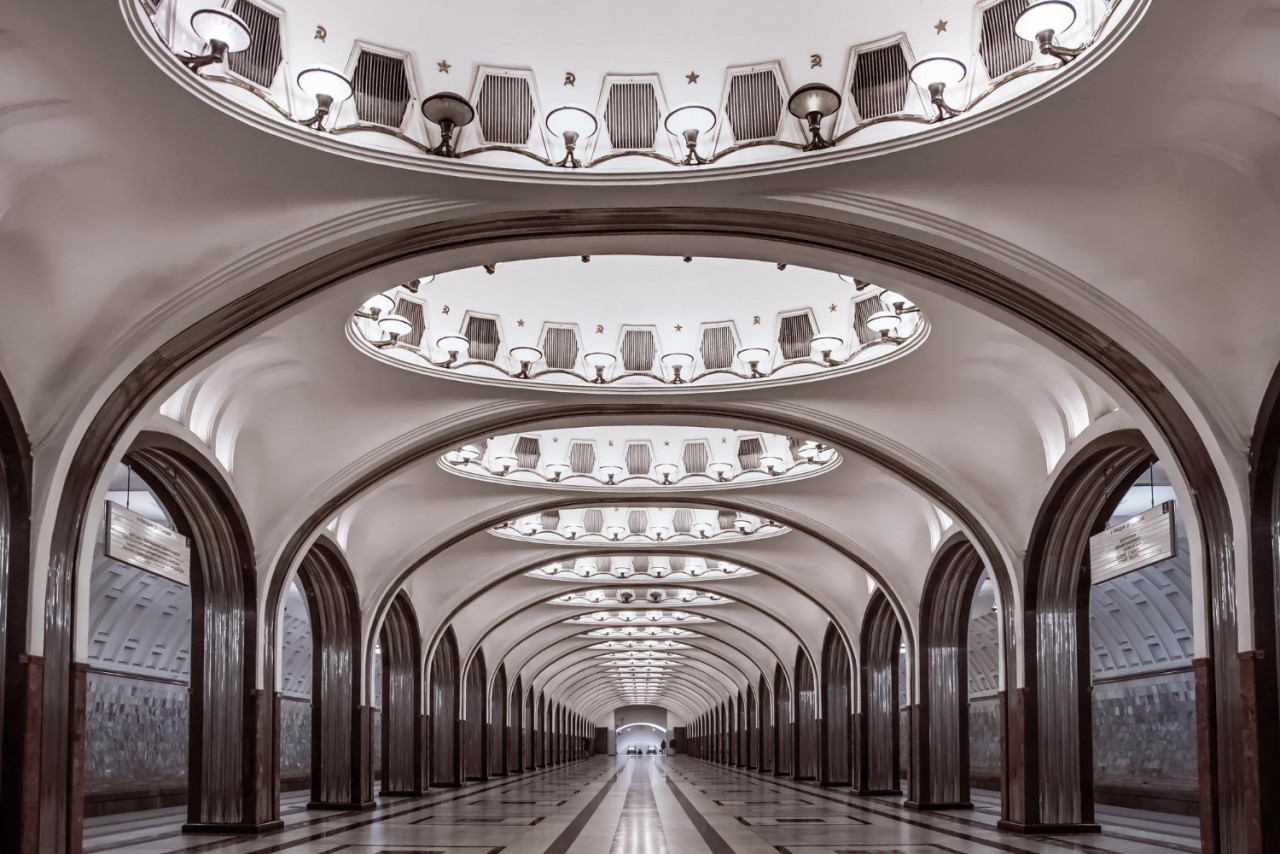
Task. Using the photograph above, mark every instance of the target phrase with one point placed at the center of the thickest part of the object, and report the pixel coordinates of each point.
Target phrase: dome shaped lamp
(885, 322)
(376, 306)
(702, 530)
(615, 532)
(456, 346)
(393, 326)
(599, 362)
(773, 465)
(808, 452)
(721, 470)
(328, 87)
(611, 473)
(678, 363)
(936, 73)
(689, 122)
(505, 464)
(556, 472)
(742, 526)
(572, 531)
(813, 103)
(1040, 22)
(225, 32)
(666, 471)
(573, 125)
(449, 111)
(525, 357)
(753, 357)
(470, 453)
(824, 346)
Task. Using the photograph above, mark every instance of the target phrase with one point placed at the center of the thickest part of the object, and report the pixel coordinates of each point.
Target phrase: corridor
(641, 805)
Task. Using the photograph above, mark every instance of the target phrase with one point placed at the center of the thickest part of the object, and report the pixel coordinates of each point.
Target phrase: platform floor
(641, 805)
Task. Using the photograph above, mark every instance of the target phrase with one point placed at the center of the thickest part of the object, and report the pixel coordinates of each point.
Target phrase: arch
(514, 757)
(499, 729)
(1058, 717)
(403, 760)
(879, 754)
(540, 733)
(837, 711)
(340, 726)
(19, 674)
(783, 726)
(528, 733)
(740, 734)
(474, 740)
(222, 731)
(940, 779)
(765, 735)
(751, 731)
(446, 765)
(806, 719)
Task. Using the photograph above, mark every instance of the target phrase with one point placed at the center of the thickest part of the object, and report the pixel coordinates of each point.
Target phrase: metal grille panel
(593, 521)
(482, 332)
(550, 520)
(726, 518)
(749, 452)
(682, 523)
(631, 115)
(411, 310)
(696, 456)
(638, 350)
(528, 452)
(862, 311)
(1000, 48)
(561, 346)
(505, 110)
(639, 458)
(638, 521)
(582, 457)
(381, 89)
(260, 62)
(717, 347)
(754, 106)
(880, 82)
(795, 334)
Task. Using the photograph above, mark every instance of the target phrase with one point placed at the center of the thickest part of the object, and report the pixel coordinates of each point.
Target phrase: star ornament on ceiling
(833, 307)
(940, 27)
(521, 322)
(692, 77)
(444, 66)
(679, 327)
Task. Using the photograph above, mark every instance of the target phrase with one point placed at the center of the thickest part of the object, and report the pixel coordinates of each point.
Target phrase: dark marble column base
(1047, 829)
(261, 827)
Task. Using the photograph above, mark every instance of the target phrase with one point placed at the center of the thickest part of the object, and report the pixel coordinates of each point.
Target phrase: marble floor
(641, 805)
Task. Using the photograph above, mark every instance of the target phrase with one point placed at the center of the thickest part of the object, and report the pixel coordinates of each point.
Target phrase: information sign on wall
(148, 545)
(1139, 541)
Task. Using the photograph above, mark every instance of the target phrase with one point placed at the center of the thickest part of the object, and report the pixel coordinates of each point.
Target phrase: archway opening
(445, 768)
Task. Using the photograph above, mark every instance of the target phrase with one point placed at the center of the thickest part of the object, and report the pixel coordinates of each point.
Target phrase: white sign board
(150, 546)
(1140, 541)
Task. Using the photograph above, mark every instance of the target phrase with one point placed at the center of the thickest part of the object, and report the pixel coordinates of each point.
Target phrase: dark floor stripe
(570, 833)
(708, 833)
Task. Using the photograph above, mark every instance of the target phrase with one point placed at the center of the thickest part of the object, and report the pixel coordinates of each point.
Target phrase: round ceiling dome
(637, 323)
(655, 91)
(640, 457)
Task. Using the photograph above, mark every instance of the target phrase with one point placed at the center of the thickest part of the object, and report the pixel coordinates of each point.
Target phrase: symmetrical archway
(837, 711)
(879, 760)
(446, 761)
(403, 721)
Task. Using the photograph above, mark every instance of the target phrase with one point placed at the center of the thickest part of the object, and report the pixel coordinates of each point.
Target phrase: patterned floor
(641, 805)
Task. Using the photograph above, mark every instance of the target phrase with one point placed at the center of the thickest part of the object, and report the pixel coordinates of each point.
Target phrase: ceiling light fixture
(615, 532)
(225, 32)
(572, 124)
(666, 471)
(824, 346)
(677, 362)
(936, 73)
(611, 473)
(328, 87)
(505, 465)
(1040, 22)
(393, 326)
(376, 306)
(449, 111)
(721, 470)
(599, 362)
(526, 356)
(558, 471)
(773, 465)
(813, 103)
(752, 357)
(703, 530)
(689, 122)
(572, 531)
(456, 346)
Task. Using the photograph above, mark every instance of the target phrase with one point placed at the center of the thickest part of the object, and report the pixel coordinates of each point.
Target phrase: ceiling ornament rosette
(638, 617)
(639, 569)
(657, 597)
(637, 324)
(638, 527)
(574, 97)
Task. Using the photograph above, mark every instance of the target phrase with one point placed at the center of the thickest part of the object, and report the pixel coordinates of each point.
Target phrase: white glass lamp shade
(453, 344)
(814, 98)
(946, 70)
(890, 298)
(557, 471)
(615, 532)
(506, 462)
(379, 304)
(884, 321)
(807, 452)
(668, 470)
(321, 80)
(702, 529)
(223, 26)
(1053, 16)
(454, 458)
(572, 120)
(825, 344)
(610, 471)
(448, 107)
(770, 464)
(683, 361)
(741, 525)
(526, 354)
(470, 453)
(661, 532)
(395, 324)
(572, 531)
(720, 469)
(595, 361)
(760, 355)
(693, 118)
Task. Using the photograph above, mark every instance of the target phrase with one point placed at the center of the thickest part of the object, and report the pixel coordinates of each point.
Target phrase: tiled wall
(984, 737)
(1144, 732)
(136, 735)
(295, 738)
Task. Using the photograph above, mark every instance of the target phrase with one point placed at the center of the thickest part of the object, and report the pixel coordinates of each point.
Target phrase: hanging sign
(1136, 542)
(150, 546)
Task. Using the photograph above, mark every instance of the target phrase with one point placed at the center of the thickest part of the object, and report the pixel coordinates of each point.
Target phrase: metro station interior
(654, 427)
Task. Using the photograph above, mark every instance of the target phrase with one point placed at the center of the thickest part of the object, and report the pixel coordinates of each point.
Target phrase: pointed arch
(751, 753)
(529, 736)
(783, 726)
(879, 753)
(837, 711)
(765, 736)
(473, 729)
(806, 726)
(403, 748)
(499, 728)
(514, 757)
(446, 768)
